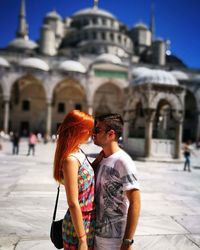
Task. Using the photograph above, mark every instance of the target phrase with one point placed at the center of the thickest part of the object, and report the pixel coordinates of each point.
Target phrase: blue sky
(177, 20)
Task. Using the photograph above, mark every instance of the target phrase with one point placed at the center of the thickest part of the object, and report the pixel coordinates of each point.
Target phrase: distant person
(15, 141)
(32, 140)
(187, 150)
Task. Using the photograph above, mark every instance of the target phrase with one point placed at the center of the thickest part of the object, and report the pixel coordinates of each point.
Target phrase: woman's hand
(83, 243)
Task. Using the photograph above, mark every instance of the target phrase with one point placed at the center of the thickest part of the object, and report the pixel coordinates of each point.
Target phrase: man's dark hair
(112, 121)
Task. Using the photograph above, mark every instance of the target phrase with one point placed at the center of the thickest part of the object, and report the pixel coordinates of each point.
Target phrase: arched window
(25, 105)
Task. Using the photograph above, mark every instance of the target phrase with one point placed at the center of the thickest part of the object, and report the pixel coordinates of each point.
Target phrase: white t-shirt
(116, 174)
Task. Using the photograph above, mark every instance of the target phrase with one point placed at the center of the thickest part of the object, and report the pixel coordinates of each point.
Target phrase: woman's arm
(70, 172)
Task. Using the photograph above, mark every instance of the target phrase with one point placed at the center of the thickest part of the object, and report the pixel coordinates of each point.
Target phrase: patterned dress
(86, 201)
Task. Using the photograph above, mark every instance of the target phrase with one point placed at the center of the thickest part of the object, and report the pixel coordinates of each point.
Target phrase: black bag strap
(85, 156)
(56, 204)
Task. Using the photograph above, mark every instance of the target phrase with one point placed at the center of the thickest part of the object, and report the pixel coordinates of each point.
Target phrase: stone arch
(134, 113)
(174, 101)
(164, 126)
(68, 94)
(27, 105)
(108, 98)
(190, 124)
(137, 120)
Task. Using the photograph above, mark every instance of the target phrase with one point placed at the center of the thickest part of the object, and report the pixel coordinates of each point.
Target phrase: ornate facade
(93, 62)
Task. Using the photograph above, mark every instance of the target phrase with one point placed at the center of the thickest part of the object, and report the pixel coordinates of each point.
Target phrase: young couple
(103, 210)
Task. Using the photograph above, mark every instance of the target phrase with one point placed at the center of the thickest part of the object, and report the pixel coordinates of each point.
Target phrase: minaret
(152, 22)
(96, 4)
(22, 31)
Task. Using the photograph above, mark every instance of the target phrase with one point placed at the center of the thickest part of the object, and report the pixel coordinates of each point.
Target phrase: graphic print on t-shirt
(111, 212)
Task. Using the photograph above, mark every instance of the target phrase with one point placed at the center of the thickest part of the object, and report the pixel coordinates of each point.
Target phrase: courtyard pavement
(170, 215)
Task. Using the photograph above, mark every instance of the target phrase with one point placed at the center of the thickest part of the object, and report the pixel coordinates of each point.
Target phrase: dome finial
(96, 4)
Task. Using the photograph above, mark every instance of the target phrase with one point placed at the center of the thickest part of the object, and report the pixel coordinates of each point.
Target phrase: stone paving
(170, 215)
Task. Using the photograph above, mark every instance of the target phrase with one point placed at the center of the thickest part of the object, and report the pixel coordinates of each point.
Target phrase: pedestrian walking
(72, 169)
(15, 141)
(117, 188)
(187, 150)
(32, 140)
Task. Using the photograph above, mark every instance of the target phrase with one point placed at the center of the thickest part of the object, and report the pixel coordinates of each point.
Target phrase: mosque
(93, 62)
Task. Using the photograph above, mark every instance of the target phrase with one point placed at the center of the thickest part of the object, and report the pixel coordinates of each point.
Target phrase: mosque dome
(34, 63)
(21, 43)
(94, 11)
(53, 15)
(140, 25)
(139, 71)
(71, 65)
(4, 62)
(110, 58)
(155, 76)
(179, 75)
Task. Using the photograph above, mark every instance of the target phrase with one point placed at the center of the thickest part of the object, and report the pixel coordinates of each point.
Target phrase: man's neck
(110, 149)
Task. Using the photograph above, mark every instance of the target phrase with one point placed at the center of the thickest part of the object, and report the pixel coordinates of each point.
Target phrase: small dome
(136, 72)
(21, 43)
(156, 76)
(4, 62)
(179, 75)
(140, 25)
(53, 15)
(70, 65)
(94, 11)
(108, 58)
(35, 63)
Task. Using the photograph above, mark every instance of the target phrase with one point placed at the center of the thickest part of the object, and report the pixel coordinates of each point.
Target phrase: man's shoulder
(124, 156)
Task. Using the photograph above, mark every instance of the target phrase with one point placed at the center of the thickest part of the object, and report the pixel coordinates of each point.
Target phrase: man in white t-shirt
(117, 188)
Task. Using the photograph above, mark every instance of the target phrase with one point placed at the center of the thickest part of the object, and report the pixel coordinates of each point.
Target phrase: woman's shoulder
(79, 156)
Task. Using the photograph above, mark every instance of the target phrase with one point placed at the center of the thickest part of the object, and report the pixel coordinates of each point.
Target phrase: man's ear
(112, 134)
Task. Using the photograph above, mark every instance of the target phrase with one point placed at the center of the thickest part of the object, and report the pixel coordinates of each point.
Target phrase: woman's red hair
(75, 129)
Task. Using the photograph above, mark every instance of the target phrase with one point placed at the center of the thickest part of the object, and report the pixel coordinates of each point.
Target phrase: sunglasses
(97, 130)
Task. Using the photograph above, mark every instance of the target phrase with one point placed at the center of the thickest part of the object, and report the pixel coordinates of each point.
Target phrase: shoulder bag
(56, 227)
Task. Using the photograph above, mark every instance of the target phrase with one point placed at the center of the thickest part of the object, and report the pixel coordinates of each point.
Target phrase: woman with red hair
(72, 169)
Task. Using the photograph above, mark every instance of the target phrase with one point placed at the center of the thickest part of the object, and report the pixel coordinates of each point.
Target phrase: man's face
(100, 134)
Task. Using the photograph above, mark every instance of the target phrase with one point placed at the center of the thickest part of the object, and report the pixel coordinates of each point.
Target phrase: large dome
(34, 63)
(155, 76)
(71, 65)
(21, 43)
(94, 11)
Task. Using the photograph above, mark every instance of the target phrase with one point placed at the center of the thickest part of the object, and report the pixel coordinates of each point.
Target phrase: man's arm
(133, 216)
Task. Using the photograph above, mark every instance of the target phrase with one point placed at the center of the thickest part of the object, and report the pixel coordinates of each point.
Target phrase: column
(126, 131)
(6, 115)
(49, 119)
(149, 113)
(179, 128)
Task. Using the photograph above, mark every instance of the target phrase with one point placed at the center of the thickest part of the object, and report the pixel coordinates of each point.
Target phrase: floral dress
(86, 201)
